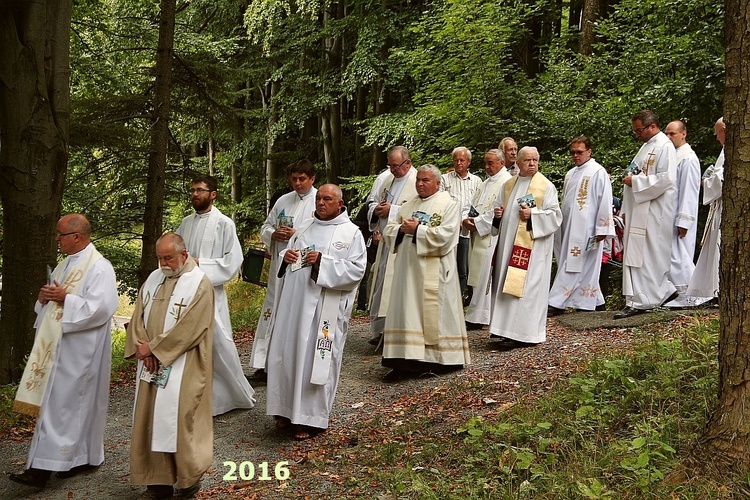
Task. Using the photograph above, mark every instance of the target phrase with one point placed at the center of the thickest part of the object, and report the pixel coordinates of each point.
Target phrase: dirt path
(497, 379)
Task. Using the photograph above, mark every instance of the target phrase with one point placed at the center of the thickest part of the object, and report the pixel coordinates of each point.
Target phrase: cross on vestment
(520, 258)
(179, 306)
(575, 251)
(267, 314)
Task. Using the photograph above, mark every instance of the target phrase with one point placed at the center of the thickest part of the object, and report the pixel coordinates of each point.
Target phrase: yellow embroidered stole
(36, 374)
(518, 264)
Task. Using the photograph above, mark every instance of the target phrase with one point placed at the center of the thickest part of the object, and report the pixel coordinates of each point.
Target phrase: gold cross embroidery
(179, 307)
(267, 314)
(519, 258)
(575, 251)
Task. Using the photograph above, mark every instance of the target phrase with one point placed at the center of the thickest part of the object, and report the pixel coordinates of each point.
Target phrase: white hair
(432, 169)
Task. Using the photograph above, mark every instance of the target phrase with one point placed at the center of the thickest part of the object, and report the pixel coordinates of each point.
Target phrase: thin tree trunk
(591, 14)
(271, 168)
(34, 133)
(157, 158)
(211, 144)
(727, 436)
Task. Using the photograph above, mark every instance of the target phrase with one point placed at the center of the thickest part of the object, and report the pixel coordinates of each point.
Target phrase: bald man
(66, 382)
(686, 214)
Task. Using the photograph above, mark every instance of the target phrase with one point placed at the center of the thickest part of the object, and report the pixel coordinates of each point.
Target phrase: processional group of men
(444, 241)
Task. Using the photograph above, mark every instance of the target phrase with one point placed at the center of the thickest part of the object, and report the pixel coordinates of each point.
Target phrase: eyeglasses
(638, 131)
(199, 190)
(577, 152)
(397, 166)
(60, 235)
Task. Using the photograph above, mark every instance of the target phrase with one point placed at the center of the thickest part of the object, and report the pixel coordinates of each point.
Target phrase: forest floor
(367, 414)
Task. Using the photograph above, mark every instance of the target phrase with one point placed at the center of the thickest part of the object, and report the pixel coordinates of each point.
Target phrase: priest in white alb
(424, 321)
(704, 284)
(477, 219)
(649, 199)
(391, 189)
(688, 184)
(528, 214)
(65, 383)
(211, 240)
(318, 278)
(587, 221)
(287, 214)
(171, 336)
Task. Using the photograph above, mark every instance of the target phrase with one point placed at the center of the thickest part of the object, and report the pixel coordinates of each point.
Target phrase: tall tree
(157, 157)
(34, 135)
(727, 436)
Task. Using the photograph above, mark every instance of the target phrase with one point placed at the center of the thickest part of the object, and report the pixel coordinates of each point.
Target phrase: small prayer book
(527, 200)
(473, 212)
(387, 196)
(633, 169)
(592, 244)
(159, 378)
(300, 262)
(709, 172)
(422, 217)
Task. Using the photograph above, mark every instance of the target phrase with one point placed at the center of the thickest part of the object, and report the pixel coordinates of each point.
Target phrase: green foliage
(245, 302)
(618, 428)
(122, 369)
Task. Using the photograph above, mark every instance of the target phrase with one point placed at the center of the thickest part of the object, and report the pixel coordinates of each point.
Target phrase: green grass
(613, 431)
(245, 302)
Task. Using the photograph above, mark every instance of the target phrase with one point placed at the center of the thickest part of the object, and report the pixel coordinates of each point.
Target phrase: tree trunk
(34, 135)
(271, 168)
(157, 157)
(591, 14)
(727, 435)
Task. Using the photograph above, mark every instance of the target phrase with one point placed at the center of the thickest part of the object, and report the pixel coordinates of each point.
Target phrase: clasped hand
(52, 292)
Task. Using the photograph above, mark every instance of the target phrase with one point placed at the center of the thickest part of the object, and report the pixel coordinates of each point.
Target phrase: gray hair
(175, 239)
(527, 149)
(461, 149)
(432, 169)
(497, 152)
(401, 151)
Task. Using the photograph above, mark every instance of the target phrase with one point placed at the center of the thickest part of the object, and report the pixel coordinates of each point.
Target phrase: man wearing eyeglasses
(391, 189)
(211, 240)
(648, 208)
(587, 221)
(66, 382)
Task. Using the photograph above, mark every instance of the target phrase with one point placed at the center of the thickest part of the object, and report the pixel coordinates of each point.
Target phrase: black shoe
(75, 471)
(473, 326)
(189, 492)
(35, 478)
(258, 375)
(506, 344)
(674, 295)
(554, 311)
(629, 311)
(602, 307)
(157, 492)
(394, 376)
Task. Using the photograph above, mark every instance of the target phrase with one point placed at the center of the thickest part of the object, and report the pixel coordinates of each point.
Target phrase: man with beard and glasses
(211, 240)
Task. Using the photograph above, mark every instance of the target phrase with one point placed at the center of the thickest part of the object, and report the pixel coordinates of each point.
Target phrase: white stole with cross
(164, 425)
(38, 368)
(579, 214)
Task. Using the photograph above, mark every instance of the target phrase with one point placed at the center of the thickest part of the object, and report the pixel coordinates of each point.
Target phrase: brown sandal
(282, 423)
(304, 432)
